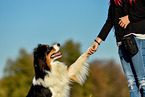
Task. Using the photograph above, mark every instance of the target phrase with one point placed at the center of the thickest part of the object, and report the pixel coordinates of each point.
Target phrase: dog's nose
(58, 44)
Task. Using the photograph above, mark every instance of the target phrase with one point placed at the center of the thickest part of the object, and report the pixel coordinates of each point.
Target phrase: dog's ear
(40, 67)
(35, 52)
(40, 51)
(39, 45)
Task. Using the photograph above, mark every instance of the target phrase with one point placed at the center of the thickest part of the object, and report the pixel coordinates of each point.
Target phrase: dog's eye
(51, 48)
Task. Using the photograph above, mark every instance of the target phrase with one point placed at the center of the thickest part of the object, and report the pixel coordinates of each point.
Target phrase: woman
(127, 17)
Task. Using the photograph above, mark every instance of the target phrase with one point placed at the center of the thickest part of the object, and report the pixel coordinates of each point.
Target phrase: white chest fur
(58, 80)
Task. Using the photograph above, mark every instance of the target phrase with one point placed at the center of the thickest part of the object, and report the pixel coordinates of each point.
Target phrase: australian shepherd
(52, 78)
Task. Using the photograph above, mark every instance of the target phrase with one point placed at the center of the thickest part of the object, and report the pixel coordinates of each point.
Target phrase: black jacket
(136, 16)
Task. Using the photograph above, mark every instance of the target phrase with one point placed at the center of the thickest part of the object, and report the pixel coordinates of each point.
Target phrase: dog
(52, 78)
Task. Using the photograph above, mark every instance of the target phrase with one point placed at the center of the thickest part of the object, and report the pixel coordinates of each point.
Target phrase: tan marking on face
(48, 59)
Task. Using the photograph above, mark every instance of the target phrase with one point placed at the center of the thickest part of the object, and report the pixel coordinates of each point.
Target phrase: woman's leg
(138, 64)
(128, 71)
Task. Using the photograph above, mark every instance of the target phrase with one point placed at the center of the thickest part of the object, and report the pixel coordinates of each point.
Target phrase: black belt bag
(130, 45)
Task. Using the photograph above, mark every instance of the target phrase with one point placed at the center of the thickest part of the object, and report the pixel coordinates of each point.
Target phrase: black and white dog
(52, 77)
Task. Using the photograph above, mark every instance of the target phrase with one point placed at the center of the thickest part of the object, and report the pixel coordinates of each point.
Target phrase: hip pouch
(130, 44)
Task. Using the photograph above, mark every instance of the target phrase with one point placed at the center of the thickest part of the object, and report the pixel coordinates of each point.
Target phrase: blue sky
(26, 23)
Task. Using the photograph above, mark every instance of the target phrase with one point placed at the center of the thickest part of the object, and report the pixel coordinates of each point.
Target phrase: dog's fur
(52, 77)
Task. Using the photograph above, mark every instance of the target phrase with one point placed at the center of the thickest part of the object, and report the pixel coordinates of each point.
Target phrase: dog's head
(43, 56)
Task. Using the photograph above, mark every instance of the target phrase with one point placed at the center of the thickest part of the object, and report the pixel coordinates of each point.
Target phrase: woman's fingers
(91, 51)
(124, 21)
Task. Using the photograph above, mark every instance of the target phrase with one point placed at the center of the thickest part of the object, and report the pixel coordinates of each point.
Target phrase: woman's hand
(124, 21)
(94, 46)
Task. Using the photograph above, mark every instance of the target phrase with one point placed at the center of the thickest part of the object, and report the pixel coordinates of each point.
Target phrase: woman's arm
(108, 25)
(103, 33)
